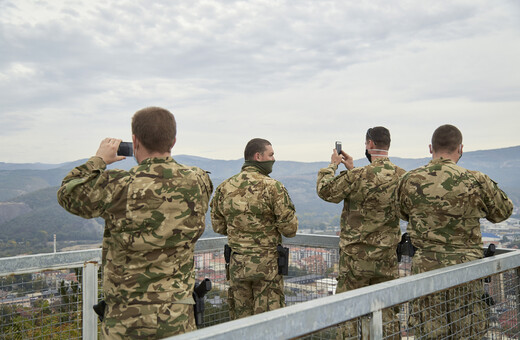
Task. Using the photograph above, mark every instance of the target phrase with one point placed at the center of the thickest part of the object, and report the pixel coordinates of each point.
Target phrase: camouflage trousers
(456, 313)
(355, 274)
(255, 285)
(147, 321)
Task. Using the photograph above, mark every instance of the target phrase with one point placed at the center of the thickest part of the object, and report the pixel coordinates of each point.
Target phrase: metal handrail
(310, 316)
(292, 321)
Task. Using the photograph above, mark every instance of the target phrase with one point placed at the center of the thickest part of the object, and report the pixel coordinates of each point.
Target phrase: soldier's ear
(430, 146)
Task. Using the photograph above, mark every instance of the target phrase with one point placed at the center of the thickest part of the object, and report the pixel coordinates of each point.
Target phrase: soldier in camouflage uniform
(369, 224)
(443, 203)
(153, 214)
(254, 211)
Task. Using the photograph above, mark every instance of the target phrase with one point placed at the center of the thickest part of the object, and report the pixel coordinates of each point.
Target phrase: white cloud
(301, 73)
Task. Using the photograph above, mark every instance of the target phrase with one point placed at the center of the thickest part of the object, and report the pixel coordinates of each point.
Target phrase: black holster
(198, 295)
(227, 257)
(99, 308)
(283, 260)
(405, 247)
(490, 251)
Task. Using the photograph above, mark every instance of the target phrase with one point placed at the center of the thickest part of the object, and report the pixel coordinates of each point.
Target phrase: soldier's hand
(335, 158)
(347, 160)
(108, 150)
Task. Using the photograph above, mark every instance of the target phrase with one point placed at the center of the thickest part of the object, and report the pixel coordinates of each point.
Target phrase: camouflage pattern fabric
(443, 204)
(254, 211)
(457, 313)
(148, 321)
(369, 229)
(153, 214)
(256, 286)
(369, 223)
(361, 273)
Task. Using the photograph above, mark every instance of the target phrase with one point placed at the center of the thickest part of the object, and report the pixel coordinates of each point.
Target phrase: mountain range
(30, 213)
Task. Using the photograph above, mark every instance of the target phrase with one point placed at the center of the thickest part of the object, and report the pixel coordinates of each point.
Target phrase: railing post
(372, 326)
(376, 325)
(365, 327)
(90, 289)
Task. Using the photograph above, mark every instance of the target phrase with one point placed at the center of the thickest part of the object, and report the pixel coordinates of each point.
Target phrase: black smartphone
(125, 149)
(338, 147)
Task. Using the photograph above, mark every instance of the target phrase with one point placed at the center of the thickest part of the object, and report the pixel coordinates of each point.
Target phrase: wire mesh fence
(47, 304)
(482, 309)
(312, 274)
(44, 305)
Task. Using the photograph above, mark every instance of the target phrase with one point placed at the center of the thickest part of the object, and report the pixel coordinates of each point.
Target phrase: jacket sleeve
(206, 188)
(401, 200)
(82, 190)
(499, 206)
(286, 220)
(218, 221)
(334, 189)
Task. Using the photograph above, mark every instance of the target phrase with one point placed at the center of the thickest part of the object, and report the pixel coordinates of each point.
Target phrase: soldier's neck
(454, 156)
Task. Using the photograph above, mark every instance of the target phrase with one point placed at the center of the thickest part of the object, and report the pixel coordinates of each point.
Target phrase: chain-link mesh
(48, 304)
(45, 305)
(483, 309)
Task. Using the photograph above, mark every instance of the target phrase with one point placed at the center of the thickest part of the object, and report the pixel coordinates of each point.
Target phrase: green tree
(71, 298)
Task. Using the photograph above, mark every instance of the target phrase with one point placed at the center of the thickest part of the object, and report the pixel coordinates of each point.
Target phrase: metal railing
(51, 295)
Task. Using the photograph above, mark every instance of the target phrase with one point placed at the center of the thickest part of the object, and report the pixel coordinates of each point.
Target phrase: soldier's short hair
(380, 136)
(446, 138)
(253, 146)
(155, 128)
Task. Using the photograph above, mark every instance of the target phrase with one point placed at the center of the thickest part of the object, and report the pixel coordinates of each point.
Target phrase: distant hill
(29, 209)
(44, 214)
(21, 179)
(28, 223)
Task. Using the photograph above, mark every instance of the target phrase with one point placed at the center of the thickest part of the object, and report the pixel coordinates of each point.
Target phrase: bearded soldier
(369, 224)
(254, 211)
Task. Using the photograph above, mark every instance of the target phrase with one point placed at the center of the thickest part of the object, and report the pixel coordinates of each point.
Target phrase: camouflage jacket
(153, 214)
(443, 203)
(369, 222)
(254, 211)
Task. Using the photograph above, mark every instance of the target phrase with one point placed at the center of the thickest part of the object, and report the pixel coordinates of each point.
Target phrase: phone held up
(125, 149)
(338, 147)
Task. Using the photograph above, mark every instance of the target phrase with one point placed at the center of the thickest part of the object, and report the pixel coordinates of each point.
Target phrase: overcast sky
(302, 74)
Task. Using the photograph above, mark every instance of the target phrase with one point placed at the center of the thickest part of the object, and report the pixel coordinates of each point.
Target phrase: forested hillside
(32, 229)
(30, 214)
